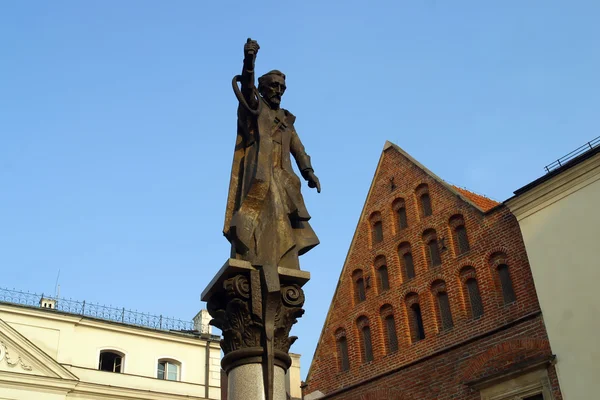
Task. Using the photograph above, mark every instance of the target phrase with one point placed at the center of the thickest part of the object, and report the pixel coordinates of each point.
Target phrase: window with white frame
(168, 370)
(111, 361)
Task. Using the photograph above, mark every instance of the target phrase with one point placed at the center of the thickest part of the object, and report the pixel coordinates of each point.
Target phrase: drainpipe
(206, 368)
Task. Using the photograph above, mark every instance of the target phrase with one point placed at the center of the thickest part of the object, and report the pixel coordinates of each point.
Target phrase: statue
(257, 296)
(266, 220)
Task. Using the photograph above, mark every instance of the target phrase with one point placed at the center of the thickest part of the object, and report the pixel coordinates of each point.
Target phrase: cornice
(40, 384)
(106, 325)
(555, 189)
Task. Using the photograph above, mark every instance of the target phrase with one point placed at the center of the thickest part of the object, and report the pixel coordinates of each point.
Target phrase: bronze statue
(257, 296)
(266, 220)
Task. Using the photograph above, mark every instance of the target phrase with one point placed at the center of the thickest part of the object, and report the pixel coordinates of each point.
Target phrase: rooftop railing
(577, 152)
(94, 310)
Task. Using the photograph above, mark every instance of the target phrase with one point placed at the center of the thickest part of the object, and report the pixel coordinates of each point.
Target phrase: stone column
(256, 324)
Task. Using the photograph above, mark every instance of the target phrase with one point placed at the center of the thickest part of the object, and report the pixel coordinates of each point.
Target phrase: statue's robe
(266, 219)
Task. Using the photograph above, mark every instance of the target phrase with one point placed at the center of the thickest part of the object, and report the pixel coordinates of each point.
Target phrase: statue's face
(273, 90)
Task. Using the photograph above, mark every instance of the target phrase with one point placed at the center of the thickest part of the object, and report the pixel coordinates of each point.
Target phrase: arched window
(376, 228)
(442, 305)
(432, 248)
(415, 318)
(422, 192)
(383, 282)
(111, 361)
(169, 370)
(406, 261)
(359, 286)
(508, 293)
(400, 212)
(365, 338)
(471, 292)
(500, 262)
(459, 232)
(389, 325)
(342, 350)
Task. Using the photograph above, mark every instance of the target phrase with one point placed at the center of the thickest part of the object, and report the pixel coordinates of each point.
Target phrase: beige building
(560, 221)
(62, 349)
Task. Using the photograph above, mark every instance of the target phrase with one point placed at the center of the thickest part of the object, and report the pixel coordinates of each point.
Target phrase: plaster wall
(76, 343)
(560, 223)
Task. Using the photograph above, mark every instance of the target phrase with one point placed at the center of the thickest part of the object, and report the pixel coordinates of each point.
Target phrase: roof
(485, 203)
(569, 164)
(478, 201)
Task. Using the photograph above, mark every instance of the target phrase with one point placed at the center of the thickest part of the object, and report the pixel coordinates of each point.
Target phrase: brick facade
(478, 308)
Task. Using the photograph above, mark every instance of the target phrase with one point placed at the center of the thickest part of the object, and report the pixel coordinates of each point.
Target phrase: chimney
(47, 302)
(201, 321)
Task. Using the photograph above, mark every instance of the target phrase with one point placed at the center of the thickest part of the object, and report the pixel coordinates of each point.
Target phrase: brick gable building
(435, 299)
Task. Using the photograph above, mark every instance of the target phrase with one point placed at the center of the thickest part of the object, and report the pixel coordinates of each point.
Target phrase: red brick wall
(496, 232)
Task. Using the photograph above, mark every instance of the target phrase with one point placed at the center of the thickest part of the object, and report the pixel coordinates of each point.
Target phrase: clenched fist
(251, 48)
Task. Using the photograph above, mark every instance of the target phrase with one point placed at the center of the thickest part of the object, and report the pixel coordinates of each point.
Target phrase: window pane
(117, 367)
(161, 371)
(536, 397)
(425, 205)
(417, 322)
(360, 290)
(366, 336)
(409, 267)
(384, 283)
(434, 253)
(402, 221)
(172, 372)
(445, 313)
(390, 327)
(110, 362)
(343, 353)
(462, 240)
(508, 292)
(377, 232)
(474, 298)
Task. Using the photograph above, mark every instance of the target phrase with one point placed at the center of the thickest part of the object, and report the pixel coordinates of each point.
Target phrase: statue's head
(271, 87)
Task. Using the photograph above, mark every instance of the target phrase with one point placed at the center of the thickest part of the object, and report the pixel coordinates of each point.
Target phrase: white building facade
(559, 217)
(50, 354)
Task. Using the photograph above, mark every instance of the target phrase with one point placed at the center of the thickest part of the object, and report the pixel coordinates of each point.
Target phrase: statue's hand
(251, 48)
(313, 181)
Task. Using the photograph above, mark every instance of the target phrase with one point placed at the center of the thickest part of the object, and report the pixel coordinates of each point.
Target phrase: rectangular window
(167, 370)
(445, 312)
(110, 362)
(419, 329)
(343, 353)
(402, 221)
(384, 283)
(426, 205)
(539, 396)
(360, 290)
(508, 293)
(366, 332)
(390, 327)
(462, 239)
(377, 232)
(434, 253)
(474, 298)
(409, 267)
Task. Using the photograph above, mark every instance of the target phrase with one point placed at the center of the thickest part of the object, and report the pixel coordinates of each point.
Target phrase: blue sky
(117, 125)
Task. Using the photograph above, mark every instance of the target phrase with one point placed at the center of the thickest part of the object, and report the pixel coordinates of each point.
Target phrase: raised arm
(248, 88)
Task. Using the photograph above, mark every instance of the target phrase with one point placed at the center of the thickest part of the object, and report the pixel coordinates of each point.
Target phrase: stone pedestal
(255, 309)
